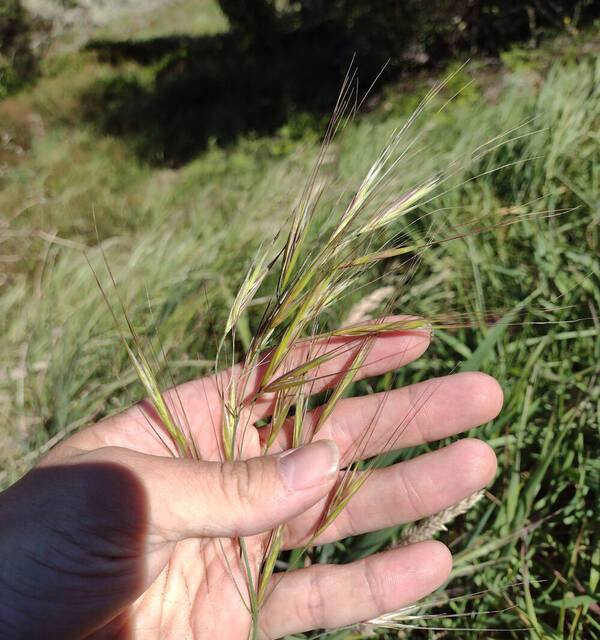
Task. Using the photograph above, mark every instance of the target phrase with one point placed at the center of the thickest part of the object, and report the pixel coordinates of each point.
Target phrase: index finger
(198, 404)
(389, 350)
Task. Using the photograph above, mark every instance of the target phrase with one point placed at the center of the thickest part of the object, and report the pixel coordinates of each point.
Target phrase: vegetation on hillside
(18, 61)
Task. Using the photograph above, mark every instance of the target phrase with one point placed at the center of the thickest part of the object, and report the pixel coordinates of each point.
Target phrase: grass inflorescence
(538, 521)
(309, 273)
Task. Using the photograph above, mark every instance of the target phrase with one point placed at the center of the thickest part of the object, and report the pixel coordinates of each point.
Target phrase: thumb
(188, 498)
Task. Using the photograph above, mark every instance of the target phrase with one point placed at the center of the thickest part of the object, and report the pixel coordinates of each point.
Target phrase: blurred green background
(187, 129)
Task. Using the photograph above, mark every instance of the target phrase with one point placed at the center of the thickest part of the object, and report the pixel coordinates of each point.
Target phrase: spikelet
(428, 528)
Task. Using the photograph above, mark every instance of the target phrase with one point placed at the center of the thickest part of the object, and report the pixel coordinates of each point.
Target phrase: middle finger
(400, 418)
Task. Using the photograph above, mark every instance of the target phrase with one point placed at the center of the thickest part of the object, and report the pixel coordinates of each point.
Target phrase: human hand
(112, 537)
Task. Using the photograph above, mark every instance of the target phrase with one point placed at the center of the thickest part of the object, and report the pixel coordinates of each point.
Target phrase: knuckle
(413, 497)
(239, 484)
(354, 518)
(316, 604)
(373, 587)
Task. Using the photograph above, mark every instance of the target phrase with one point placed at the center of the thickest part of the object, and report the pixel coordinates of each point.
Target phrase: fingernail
(309, 466)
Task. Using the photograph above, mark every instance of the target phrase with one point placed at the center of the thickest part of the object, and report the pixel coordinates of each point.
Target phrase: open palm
(146, 542)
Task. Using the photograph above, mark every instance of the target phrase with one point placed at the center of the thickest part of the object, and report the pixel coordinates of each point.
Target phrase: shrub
(414, 31)
(18, 63)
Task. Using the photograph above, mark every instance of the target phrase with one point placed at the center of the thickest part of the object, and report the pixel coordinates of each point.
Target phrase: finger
(197, 405)
(328, 596)
(404, 492)
(389, 351)
(188, 498)
(406, 417)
